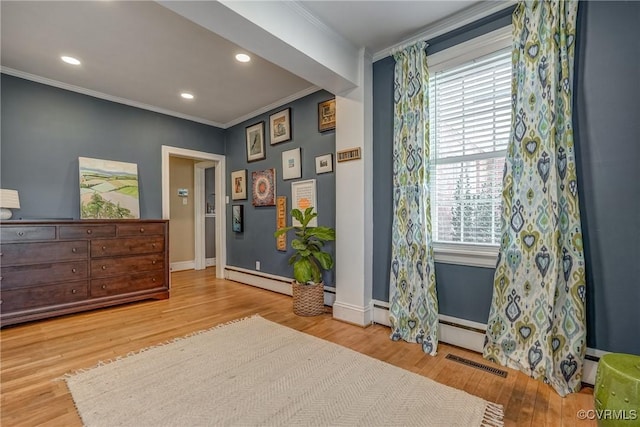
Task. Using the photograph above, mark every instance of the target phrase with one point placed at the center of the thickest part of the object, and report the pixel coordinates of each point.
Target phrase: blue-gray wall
(46, 129)
(256, 242)
(607, 117)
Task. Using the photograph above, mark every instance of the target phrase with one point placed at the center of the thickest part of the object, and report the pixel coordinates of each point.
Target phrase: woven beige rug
(256, 372)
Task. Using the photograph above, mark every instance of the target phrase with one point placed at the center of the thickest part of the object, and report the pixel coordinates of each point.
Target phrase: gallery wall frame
(291, 166)
(264, 187)
(255, 142)
(237, 218)
(324, 164)
(303, 196)
(327, 115)
(280, 126)
(239, 185)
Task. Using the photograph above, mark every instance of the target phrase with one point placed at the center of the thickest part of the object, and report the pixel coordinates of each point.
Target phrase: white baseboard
(183, 265)
(361, 316)
(209, 262)
(271, 282)
(470, 335)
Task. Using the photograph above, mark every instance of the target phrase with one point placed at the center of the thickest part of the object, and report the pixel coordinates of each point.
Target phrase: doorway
(202, 161)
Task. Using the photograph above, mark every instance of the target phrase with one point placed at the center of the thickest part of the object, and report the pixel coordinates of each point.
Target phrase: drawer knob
(73, 270)
(20, 233)
(153, 280)
(104, 248)
(74, 291)
(153, 262)
(89, 231)
(104, 286)
(153, 245)
(74, 250)
(104, 267)
(142, 229)
(1, 254)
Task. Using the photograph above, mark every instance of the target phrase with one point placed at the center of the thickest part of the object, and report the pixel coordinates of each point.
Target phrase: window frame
(469, 254)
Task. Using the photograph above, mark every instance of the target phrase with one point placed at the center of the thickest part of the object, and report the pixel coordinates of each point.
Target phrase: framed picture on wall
(291, 168)
(264, 187)
(303, 196)
(239, 185)
(324, 164)
(327, 115)
(255, 142)
(237, 218)
(280, 126)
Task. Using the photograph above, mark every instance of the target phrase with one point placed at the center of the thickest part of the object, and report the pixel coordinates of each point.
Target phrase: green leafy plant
(309, 259)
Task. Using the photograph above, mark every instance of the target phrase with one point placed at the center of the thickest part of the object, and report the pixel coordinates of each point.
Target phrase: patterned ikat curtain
(412, 297)
(537, 318)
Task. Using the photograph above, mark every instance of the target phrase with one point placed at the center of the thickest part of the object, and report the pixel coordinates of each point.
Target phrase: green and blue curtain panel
(537, 318)
(413, 304)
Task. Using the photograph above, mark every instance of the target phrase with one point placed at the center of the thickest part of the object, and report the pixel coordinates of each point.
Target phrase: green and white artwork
(108, 189)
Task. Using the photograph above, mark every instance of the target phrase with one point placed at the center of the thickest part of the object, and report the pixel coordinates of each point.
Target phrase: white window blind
(470, 119)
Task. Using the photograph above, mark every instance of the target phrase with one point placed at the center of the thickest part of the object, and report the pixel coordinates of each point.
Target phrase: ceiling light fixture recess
(70, 60)
(243, 57)
(186, 95)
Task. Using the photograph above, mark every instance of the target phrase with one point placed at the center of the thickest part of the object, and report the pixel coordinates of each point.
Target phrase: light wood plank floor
(34, 355)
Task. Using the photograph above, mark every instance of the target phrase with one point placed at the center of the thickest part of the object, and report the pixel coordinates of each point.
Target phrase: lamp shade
(9, 199)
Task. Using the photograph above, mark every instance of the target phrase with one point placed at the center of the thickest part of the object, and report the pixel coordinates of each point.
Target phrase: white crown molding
(100, 95)
(309, 17)
(272, 106)
(448, 24)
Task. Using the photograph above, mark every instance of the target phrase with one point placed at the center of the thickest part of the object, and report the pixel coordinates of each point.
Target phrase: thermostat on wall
(183, 192)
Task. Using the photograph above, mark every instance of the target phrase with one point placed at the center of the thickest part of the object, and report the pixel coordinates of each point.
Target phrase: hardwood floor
(35, 355)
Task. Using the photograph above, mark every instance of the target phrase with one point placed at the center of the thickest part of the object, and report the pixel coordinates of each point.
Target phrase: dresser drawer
(25, 233)
(123, 265)
(42, 296)
(131, 246)
(35, 253)
(125, 284)
(87, 231)
(29, 275)
(149, 229)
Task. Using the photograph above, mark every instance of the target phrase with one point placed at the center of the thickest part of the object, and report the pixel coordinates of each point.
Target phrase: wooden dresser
(61, 267)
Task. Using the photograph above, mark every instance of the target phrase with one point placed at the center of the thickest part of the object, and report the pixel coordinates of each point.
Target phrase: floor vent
(477, 365)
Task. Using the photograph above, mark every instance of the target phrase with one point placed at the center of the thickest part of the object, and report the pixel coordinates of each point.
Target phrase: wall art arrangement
(291, 168)
(324, 164)
(280, 126)
(239, 185)
(264, 187)
(281, 221)
(108, 189)
(303, 196)
(349, 154)
(327, 115)
(255, 142)
(237, 218)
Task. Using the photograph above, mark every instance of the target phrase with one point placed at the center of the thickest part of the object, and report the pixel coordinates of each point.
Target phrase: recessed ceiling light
(186, 95)
(70, 60)
(243, 57)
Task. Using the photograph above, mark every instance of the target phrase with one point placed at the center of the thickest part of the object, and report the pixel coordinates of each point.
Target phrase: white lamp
(8, 200)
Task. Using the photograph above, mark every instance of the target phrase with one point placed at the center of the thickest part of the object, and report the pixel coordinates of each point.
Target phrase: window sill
(466, 254)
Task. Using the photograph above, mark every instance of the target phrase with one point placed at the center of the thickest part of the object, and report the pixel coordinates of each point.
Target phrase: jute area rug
(256, 372)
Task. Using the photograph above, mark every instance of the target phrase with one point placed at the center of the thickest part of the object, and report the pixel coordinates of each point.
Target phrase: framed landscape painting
(108, 189)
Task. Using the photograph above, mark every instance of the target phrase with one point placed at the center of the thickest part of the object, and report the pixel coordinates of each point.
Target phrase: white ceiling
(141, 53)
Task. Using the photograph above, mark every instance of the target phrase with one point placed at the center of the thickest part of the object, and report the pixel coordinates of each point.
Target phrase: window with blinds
(470, 119)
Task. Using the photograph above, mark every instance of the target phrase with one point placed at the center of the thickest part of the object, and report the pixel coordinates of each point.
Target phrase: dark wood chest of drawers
(54, 268)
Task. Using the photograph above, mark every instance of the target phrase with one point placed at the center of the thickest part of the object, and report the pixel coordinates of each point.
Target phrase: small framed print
(264, 187)
(255, 142)
(291, 168)
(324, 164)
(327, 115)
(239, 185)
(237, 218)
(280, 126)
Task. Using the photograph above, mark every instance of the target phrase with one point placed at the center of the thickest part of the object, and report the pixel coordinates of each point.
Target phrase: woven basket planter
(308, 300)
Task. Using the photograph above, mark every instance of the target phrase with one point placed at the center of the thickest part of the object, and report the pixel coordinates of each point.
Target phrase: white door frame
(199, 206)
(220, 185)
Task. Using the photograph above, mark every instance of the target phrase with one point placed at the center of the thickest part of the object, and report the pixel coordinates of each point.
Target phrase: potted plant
(308, 260)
